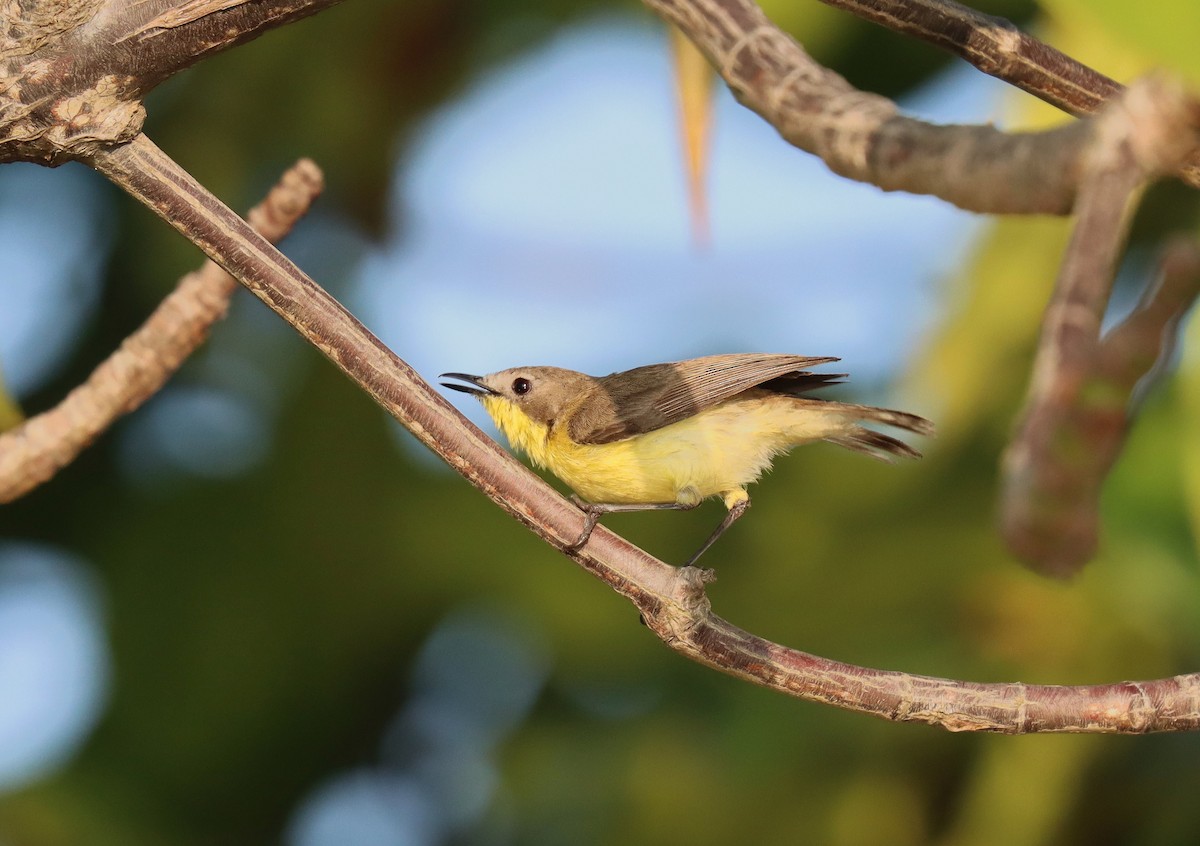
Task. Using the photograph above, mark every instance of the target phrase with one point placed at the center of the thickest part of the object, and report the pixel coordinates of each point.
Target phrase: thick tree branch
(671, 601)
(1065, 444)
(32, 452)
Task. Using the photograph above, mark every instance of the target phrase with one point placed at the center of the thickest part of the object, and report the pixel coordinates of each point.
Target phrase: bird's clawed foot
(591, 516)
(736, 510)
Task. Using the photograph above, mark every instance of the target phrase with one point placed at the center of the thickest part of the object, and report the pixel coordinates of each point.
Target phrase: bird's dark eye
(521, 386)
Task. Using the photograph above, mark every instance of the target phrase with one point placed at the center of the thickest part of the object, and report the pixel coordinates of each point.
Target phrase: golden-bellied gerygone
(671, 435)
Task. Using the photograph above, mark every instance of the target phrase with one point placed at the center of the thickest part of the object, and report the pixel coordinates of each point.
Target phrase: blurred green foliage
(1161, 40)
(262, 625)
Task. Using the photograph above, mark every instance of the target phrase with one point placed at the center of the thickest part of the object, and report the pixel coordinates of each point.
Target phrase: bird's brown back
(647, 398)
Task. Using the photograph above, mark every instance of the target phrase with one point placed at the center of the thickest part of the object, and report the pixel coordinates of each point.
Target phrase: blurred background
(257, 611)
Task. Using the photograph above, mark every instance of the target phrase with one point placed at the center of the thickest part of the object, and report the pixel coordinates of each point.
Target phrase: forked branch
(995, 46)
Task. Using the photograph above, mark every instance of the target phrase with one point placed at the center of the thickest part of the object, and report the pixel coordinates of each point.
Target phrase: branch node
(689, 592)
(1156, 122)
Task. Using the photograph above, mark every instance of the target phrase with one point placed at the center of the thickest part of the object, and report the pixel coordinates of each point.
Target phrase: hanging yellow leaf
(694, 79)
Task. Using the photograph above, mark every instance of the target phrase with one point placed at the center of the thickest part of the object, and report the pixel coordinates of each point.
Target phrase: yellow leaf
(694, 79)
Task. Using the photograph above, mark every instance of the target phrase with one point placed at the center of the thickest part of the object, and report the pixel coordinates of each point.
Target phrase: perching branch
(32, 452)
(671, 601)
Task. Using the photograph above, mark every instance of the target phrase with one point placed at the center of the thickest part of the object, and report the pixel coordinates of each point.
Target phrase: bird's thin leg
(736, 511)
(592, 512)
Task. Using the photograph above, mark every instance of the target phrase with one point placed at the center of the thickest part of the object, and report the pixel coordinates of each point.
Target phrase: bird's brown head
(524, 401)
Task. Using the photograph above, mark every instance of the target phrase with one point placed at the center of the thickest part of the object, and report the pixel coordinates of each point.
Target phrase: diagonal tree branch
(672, 601)
(995, 46)
(32, 452)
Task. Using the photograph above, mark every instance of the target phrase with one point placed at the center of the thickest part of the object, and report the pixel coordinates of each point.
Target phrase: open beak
(474, 384)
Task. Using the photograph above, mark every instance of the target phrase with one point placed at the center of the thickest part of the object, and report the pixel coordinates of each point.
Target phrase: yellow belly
(719, 451)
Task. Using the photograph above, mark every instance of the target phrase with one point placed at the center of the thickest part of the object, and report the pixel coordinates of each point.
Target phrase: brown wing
(648, 398)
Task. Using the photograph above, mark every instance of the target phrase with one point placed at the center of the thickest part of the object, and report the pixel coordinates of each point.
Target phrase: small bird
(672, 435)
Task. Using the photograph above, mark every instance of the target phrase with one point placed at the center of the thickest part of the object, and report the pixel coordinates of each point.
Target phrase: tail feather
(876, 444)
(796, 384)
